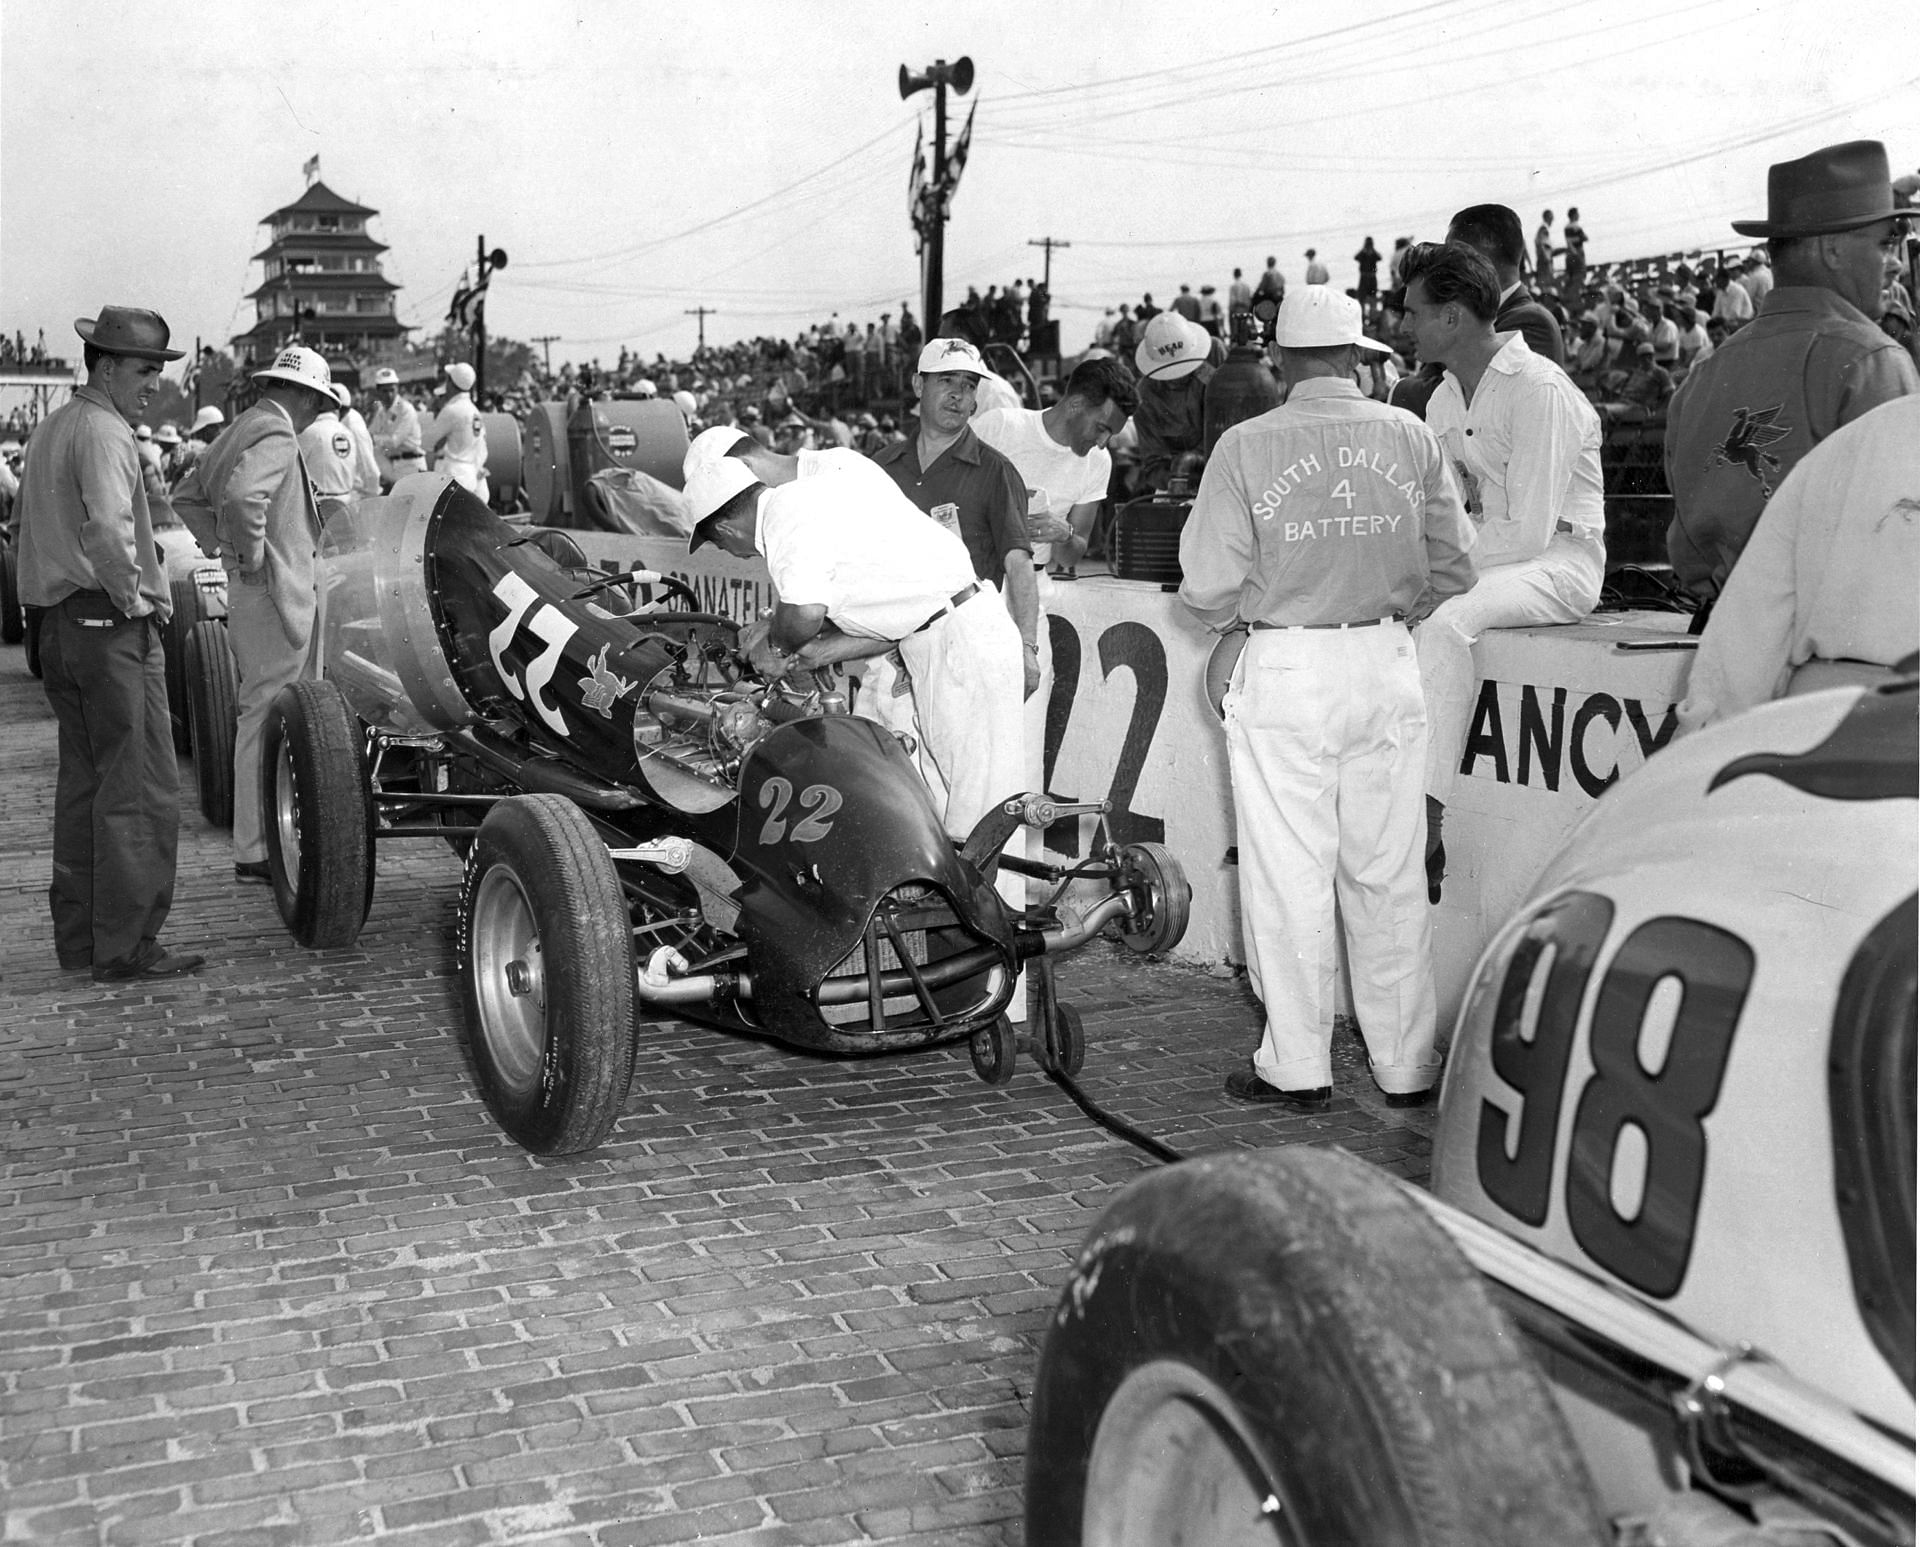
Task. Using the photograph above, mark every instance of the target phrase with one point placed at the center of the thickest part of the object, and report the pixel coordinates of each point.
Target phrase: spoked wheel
(994, 1049)
(1160, 898)
(547, 973)
(319, 815)
(213, 712)
(1282, 1347)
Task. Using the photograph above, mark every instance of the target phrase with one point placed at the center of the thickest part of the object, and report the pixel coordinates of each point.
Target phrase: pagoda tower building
(322, 286)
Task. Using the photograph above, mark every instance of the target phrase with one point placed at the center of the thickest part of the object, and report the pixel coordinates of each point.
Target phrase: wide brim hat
(303, 367)
(1839, 188)
(128, 330)
(1171, 348)
(1320, 317)
(208, 416)
(386, 376)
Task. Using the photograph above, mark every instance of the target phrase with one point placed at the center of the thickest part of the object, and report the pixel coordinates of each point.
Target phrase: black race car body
(781, 865)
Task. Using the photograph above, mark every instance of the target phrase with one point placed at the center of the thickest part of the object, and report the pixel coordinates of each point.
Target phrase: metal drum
(543, 461)
(503, 456)
(646, 433)
(1145, 543)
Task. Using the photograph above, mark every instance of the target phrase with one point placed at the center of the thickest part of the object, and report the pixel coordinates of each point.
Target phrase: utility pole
(938, 75)
(703, 313)
(546, 354)
(1048, 242)
(485, 263)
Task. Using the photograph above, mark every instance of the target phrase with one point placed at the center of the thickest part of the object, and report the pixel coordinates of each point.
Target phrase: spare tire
(213, 714)
(13, 622)
(189, 608)
(1286, 1334)
(319, 815)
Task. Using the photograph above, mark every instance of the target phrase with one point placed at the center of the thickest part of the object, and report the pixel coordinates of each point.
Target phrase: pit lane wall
(1561, 715)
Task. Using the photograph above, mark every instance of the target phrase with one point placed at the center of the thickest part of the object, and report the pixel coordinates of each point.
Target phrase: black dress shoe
(1410, 1098)
(155, 963)
(254, 870)
(1246, 1085)
(75, 963)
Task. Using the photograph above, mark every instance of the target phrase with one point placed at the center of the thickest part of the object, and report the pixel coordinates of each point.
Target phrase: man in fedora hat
(248, 500)
(1320, 526)
(1813, 359)
(87, 556)
(1176, 359)
(395, 428)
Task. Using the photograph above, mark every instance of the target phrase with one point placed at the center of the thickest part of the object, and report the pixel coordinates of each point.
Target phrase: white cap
(386, 376)
(950, 354)
(646, 387)
(1320, 317)
(300, 366)
(461, 375)
(168, 434)
(1171, 347)
(708, 447)
(341, 395)
(208, 416)
(684, 401)
(143, 432)
(711, 487)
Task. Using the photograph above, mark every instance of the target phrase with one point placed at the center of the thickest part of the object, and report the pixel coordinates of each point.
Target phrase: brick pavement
(269, 1274)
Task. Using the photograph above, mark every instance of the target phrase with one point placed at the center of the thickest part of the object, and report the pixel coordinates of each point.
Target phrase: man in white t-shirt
(457, 440)
(859, 570)
(1062, 459)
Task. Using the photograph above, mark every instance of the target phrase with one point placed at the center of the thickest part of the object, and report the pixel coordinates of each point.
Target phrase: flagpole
(960, 73)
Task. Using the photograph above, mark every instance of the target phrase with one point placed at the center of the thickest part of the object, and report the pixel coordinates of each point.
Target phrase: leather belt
(958, 599)
(406, 456)
(1363, 623)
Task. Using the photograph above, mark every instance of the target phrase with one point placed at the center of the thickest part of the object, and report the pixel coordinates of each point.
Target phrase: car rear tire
(213, 712)
(189, 608)
(318, 815)
(1282, 1346)
(547, 974)
(13, 623)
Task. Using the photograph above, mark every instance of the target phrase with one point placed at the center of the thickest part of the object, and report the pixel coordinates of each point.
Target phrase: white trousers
(267, 663)
(1562, 585)
(1326, 738)
(968, 672)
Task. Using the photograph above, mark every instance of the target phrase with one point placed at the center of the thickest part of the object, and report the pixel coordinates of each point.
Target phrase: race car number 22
(818, 801)
(1688, 975)
(548, 624)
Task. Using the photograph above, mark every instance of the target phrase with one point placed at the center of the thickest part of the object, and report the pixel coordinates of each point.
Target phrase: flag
(957, 161)
(312, 169)
(916, 180)
(460, 309)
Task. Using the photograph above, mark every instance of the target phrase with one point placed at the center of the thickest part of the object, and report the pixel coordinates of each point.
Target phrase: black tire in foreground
(318, 815)
(213, 709)
(13, 622)
(1282, 1346)
(547, 974)
(189, 608)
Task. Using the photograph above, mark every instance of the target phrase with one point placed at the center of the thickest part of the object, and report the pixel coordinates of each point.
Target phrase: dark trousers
(116, 814)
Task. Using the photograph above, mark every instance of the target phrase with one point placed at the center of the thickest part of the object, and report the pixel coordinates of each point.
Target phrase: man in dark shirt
(1812, 360)
(1493, 231)
(967, 486)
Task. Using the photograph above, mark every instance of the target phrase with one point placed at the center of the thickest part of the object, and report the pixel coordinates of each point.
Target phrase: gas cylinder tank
(647, 433)
(1241, 388)
(549, 481)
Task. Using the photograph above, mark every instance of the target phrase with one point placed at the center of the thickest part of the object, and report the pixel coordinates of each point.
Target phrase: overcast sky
(639, 159)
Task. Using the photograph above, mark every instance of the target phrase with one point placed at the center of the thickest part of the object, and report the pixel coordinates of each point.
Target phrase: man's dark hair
(1492, 229)
(1453, 273)
(1102, 381)
(91, 355)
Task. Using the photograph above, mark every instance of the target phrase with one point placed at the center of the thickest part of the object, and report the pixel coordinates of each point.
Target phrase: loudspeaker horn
(910, 83)
(962, 75)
